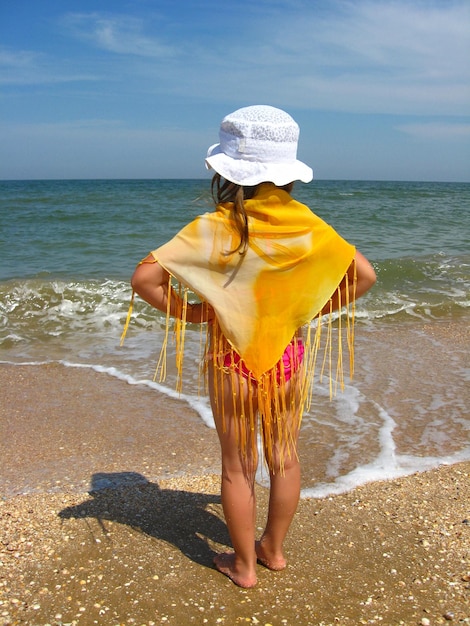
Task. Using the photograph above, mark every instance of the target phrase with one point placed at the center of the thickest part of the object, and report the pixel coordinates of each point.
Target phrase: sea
(68, 249)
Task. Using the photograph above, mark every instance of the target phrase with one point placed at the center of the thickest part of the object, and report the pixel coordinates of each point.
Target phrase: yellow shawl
(292, 267)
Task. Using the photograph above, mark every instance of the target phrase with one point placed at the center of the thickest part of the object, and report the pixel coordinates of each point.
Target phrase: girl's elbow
(147, 277)
(366, 276)
(371, 278)
(136, 281)
(366, 280)
(141, 278)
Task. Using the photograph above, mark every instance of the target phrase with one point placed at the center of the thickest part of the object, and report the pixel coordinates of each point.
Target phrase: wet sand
(110, 514)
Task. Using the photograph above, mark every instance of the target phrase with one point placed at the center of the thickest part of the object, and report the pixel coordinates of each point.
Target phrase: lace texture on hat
(262, 123)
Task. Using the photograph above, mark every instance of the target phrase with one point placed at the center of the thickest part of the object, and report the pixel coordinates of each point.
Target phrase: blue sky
(137, 89)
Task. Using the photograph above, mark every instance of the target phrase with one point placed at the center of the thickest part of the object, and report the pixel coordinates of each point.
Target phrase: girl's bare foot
(226, 564)
(274, 563)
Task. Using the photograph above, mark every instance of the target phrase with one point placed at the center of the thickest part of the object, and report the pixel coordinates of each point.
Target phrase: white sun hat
(258, 144)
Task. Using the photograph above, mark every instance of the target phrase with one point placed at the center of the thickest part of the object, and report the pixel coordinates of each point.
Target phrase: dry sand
(138, 548)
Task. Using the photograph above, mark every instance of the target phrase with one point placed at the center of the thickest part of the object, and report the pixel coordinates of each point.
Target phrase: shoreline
(405, 414)
(129, 530)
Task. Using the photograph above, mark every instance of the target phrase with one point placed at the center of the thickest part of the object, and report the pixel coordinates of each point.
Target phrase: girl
(264, 266)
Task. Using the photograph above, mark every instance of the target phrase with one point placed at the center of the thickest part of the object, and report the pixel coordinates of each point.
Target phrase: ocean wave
(52, 312)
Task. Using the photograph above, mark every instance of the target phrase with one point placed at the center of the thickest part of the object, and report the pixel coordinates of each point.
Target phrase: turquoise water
(68, 249)
(71, 227)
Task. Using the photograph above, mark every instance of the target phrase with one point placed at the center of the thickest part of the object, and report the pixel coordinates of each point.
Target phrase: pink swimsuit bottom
(291, 361)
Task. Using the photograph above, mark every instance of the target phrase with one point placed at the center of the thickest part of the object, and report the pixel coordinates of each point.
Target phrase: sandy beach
(110, 514)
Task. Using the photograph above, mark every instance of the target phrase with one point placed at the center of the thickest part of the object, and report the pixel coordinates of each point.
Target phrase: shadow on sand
(182, 518)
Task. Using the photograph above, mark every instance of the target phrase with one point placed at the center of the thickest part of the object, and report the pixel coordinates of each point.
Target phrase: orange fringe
(280, 404)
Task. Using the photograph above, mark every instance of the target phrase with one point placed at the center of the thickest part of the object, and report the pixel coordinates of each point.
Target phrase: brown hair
(226, 191)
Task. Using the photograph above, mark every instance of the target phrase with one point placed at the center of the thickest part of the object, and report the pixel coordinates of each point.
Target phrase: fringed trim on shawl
(179, 330)
(240, 398)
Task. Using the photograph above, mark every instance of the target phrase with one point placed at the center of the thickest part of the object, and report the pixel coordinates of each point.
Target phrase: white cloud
(436, 130)
(17, 59)
(381, 56)
(400, 38)
(368, 56)
(361, 56)
(119, 34)
(27, 67)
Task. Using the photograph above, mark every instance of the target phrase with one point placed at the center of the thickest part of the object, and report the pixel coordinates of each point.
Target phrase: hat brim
(250, 173)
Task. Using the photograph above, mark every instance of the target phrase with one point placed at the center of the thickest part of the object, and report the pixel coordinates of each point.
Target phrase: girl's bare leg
(238, 477)
(283, 498)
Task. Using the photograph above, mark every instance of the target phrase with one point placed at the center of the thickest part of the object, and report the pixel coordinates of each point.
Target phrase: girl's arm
(365, 279)
(150, 280)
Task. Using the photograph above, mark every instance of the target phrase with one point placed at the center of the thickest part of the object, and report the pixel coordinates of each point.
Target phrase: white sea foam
(386, 465)
(383, 469)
